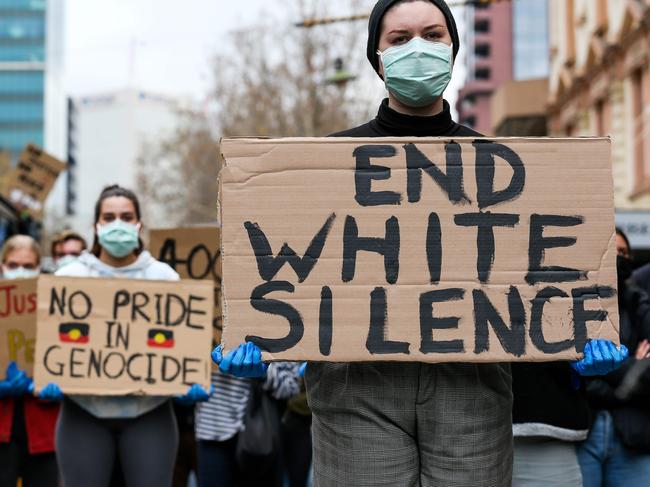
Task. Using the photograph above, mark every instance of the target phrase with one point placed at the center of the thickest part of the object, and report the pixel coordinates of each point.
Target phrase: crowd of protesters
(358, 424)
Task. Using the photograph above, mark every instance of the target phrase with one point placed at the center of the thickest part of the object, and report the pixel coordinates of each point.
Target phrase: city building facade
(106, 135)
(506, 42)
(32, 100)
(600, 85)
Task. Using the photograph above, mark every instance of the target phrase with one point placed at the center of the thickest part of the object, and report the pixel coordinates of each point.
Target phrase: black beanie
(374, 27)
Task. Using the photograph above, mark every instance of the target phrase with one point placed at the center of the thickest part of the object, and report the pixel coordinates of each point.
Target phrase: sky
(163, 46)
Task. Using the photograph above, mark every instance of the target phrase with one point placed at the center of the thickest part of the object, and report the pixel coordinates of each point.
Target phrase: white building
(106, 135)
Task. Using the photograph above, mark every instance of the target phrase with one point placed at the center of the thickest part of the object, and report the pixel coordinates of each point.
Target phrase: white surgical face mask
(19, 273)
(66, 260)
(417, 72)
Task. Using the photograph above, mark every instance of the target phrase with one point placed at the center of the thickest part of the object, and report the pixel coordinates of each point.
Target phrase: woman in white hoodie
(93, 431)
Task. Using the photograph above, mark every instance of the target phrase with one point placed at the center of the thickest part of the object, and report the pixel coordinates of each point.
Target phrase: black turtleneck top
(390, 123)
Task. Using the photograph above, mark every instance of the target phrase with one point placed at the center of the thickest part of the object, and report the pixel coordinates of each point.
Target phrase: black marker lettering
(268, 266)
(377, 342)
(513, 338)
(278, 308)
(450, 182)
(485, 222)
(388, 247)
(538, 245)
(365, 173)
(428, 322)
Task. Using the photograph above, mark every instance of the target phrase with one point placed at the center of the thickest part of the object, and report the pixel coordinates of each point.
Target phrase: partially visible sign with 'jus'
(18, 303)
(114, 336)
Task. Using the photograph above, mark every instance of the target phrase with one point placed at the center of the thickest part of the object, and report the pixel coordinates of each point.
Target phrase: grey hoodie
(145, 267)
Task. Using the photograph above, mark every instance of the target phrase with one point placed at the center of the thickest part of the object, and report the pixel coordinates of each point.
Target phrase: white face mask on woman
(417, 72)
(19, 272)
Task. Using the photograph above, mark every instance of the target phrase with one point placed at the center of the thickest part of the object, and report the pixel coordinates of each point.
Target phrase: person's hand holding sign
(16, 383)
(194, 394)
(243, 361)
(600, 358)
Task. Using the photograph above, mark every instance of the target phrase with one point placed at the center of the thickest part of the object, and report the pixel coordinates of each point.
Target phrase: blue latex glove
(302, 369)
(194, 394)
(243, 361)
(16, 384)
(51, 392)
(601, 357)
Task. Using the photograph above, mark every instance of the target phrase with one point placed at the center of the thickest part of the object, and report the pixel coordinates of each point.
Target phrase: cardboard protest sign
(123, 336)
(195, 253)
(17, 323)
(432, 250)
(31, 180)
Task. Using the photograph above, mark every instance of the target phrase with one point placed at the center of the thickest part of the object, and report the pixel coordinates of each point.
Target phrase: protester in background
(67, 247)
(220, 420)
(93, 431)
(408, 424)
(26, 424)
(617, 451)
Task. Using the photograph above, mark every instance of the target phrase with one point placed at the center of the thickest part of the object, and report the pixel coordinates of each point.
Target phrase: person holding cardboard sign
(26, 424)
(141, 430)
(385, 424)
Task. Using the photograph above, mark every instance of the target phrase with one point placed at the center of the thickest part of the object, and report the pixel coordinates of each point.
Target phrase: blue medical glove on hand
(16, 384)
(243, 361)
(601, 357)
(194, 394)
(51, 392)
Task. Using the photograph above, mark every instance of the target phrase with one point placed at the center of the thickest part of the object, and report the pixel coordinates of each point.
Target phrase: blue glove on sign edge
(600, 358)
(51, 392)
(244, 361)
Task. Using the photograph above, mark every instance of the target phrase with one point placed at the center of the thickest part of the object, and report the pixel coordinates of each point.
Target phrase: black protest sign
(123, 336)
(432, 250)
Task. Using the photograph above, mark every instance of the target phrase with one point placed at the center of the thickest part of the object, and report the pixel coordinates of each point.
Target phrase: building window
(638, 129)
(482, 26)
(482, 50)
(600, 118)
(482, 73)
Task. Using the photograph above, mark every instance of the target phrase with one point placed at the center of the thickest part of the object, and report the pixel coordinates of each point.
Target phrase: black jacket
(390, 123)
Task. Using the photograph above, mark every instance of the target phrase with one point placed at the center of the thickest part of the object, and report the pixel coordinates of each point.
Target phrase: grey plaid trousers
(409, 424)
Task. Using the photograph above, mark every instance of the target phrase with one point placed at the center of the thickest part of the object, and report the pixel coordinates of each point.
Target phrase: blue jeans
(605, 462)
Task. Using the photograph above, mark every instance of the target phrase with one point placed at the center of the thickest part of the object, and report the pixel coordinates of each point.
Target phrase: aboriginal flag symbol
(160, 338)
(73, 332)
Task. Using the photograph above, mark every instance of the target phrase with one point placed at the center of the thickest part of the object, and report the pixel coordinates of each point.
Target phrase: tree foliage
(269, 80)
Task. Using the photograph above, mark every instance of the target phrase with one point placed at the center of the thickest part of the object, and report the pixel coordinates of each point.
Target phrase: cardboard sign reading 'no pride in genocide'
(123, 336)
(18, 303)
(195, 253)
(431, 250)
(32, 179)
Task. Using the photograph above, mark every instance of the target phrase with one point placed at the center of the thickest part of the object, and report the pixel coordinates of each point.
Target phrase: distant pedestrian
(617, 451)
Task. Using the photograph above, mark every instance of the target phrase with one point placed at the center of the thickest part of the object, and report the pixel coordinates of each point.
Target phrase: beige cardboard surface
(32, 179)
(18, 303)
(437, 294)
(123, 336)
(195, 253)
